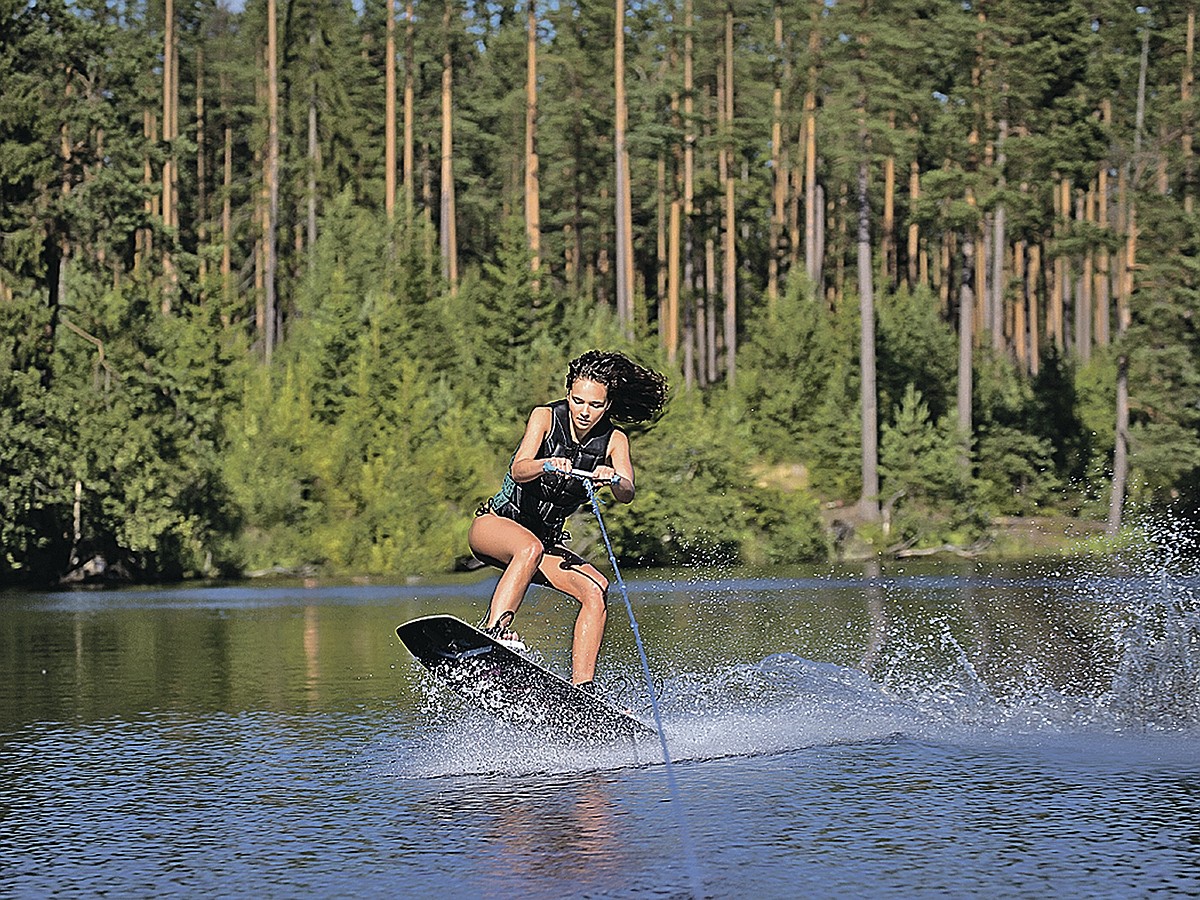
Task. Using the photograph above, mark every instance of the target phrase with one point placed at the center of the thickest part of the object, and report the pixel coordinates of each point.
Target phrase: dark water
(1026, 730)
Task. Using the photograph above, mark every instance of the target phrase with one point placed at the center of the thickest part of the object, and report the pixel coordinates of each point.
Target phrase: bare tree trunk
(447, 229)
(1121, 442)
(779, 171)
(661, 252)
(708, 317)
(533, 224)
(1054, 321)
(624, 204)
(812, 232)
(409, 103)
(917, 274)
(671, 313)
(1103, 274)
(201, 166)
(999, 242)
(1035, 336)
(1020, 341)
(389, 115)
(226, 194)
(1083, 287)
(143, 241)
(170, 128)
(868, 502)
(690, 299)
(272, 211)
(887, 240)
(729, 253)
(819, 242)
(1185, 97)
(314, 147)
(966, 344)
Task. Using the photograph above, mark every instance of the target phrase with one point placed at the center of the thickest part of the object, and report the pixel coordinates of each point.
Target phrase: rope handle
(578, 473)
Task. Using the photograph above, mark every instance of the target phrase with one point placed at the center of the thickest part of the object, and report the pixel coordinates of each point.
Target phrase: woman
(520, 530)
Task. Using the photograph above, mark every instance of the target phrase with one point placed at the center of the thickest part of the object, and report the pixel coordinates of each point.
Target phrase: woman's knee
(528, 554)
(594, 597)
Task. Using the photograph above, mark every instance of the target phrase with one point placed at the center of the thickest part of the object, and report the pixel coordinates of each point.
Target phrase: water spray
(672, 786)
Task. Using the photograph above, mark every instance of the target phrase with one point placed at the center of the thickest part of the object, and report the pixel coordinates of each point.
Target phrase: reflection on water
(960, 729)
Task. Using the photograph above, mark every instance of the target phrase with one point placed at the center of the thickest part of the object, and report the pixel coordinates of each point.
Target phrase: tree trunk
(170, 127)
(448, 232)
(1103, 274)
(1185, 97)
(917, 274)
(966, 344)
(533, 225)
(671, 313)
(661, 253)
(624, 204)
(729, 253)
(779, 173)
(226, 194)
(389, 115)
(944, 273)
(144, 237)
(409, 104)
(999, 242)
(1083, 285)
(868, 502)
(887, 239)
(708, 310)
(1054, 320)
(1020, 340)
(270, 261)
(314, 145)
(691, 295)
(201, 167)
(812, 230)
(1121, 436)
(1035, 337)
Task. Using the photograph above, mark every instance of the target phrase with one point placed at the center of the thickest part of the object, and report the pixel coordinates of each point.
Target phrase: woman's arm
(525, 465)
(622, 465)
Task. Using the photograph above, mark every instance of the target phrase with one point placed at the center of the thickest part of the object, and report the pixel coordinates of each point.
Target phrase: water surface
(961, 729)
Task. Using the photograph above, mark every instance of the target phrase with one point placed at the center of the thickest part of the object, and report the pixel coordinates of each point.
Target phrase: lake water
(936, 729)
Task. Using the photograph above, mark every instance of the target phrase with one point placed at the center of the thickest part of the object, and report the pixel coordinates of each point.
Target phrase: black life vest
(543, 505)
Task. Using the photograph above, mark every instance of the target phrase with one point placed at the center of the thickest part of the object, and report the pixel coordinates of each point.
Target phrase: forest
(280, 284)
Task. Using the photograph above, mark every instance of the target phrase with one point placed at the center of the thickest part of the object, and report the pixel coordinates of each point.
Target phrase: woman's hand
(559, 464)
(605, 475)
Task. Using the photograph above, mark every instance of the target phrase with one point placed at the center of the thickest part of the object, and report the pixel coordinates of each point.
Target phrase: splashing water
(1121, 654)
(1156, 683)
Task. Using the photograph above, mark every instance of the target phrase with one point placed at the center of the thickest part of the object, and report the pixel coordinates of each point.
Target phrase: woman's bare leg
(577, 578)
(515, 549)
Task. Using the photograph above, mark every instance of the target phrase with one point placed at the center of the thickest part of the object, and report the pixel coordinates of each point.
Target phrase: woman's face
(587, 401)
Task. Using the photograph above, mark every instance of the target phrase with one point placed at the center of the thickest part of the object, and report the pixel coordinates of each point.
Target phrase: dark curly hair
(636, 394)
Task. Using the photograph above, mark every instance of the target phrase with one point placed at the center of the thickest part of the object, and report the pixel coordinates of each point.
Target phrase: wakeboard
(511, 687)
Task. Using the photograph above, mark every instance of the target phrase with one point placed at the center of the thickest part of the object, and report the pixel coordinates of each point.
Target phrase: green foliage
(789, 361)
(1016, 471)
(33, 477)
(368, 461)
(925, 480)
(1030, 444)
(1163, 344)
(129, 409)
(834, 442)
(697, 502)
(915, 347)
(131, 361)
